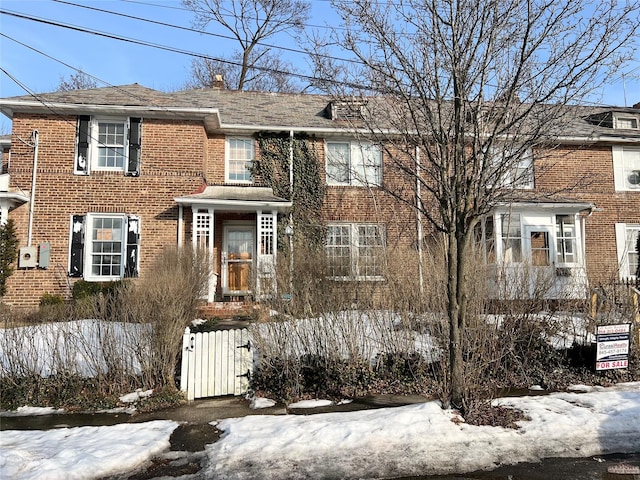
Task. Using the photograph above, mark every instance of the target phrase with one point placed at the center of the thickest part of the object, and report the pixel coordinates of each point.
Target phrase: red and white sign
(613, 346)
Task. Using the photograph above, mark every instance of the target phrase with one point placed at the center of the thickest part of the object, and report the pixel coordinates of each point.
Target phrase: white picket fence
(216, 363)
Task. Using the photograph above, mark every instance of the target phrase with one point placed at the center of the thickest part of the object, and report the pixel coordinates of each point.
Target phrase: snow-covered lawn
(413, 440)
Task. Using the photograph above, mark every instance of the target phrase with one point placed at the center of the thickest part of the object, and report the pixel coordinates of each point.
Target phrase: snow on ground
(419, 439)
(423, 439)
(82, 452)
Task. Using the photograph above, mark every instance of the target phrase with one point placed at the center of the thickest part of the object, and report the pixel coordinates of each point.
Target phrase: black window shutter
(76, 260)
(133, 247)
(81, 166)
(135, 142)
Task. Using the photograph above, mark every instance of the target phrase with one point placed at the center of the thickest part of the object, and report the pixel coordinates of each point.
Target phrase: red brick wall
(585, 173)
(173, 156)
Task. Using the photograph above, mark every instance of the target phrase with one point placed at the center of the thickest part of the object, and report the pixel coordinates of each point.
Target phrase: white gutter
(233, 204)
(33, 185)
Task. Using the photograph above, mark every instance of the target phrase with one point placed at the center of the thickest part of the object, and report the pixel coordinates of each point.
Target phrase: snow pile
(83, 452)
(422, 439)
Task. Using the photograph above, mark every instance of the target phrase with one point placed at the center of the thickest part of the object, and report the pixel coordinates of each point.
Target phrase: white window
(353, 163)
(626, 168)
(566, 240)
(108, 144)
(629, 123)
(105, 253)
(109, 152)
(104, 247)
(512, 169)
(627, 246)
(511, 237)
(355, 251)
(240, 156)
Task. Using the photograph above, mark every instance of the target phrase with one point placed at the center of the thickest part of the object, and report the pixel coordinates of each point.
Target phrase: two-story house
(100, 181)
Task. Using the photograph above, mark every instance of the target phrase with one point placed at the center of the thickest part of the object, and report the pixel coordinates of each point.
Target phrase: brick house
(123, 172)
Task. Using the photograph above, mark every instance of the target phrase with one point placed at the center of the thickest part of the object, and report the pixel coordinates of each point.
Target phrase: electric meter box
(44, 254)
(28, 257)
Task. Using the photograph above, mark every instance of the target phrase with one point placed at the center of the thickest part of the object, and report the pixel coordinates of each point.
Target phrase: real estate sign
(612, 346)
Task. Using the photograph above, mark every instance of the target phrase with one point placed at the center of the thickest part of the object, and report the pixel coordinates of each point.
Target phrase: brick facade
(181, 154)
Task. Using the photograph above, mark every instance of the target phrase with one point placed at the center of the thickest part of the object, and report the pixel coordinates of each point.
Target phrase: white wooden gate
(216, 363)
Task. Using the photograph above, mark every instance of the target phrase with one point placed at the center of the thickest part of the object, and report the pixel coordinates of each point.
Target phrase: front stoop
(226, 310)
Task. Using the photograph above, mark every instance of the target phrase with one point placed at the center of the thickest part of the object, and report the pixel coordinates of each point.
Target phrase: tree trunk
(457, 298)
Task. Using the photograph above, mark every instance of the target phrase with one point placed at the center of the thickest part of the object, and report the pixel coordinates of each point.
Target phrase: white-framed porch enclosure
(536, 250)
(236, 227)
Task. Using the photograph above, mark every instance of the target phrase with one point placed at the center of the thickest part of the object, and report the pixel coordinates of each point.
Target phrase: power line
(311, 79)
(193, 30)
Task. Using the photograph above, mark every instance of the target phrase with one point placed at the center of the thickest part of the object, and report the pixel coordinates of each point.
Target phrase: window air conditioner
(633, 179)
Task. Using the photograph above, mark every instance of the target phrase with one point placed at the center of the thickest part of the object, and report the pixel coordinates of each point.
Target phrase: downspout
(180, 225)
(419, 221)
(32, 198)
(291, 212)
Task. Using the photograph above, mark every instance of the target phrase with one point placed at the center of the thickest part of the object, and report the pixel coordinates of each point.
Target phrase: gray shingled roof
(264, 110)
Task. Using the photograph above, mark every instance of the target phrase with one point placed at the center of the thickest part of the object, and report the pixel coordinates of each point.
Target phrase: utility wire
(311, 79)
(193, 30)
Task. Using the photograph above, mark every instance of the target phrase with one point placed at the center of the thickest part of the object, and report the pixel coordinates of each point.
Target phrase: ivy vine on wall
(272, 168)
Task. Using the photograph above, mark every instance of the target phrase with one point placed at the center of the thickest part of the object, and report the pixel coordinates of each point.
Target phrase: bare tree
(250, 22)
(76, 81)
(462, 92)
(207, 72)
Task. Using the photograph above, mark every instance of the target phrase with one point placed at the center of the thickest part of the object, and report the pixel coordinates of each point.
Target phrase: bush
(133, 342)
(8, 253)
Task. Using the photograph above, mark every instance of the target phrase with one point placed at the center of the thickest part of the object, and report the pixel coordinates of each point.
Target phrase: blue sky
(118, 63)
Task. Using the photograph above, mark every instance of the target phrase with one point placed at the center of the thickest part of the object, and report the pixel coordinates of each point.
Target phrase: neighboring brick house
(123, 172)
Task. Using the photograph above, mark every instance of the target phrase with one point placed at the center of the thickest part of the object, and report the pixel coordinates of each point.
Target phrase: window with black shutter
(135, 140)
(76, 254)
(81, 166)
(104, 247)
(108, 144)
(133, 245)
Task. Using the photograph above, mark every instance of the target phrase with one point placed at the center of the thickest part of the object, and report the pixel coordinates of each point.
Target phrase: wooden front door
(238, 257)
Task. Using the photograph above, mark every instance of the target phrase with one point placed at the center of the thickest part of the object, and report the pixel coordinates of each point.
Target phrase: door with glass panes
(238, 259)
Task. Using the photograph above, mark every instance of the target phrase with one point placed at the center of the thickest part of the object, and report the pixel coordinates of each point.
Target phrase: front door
(541, 270)
(237, 259)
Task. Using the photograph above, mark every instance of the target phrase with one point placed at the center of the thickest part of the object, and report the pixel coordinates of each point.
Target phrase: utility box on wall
(28, 257)
(44, 254)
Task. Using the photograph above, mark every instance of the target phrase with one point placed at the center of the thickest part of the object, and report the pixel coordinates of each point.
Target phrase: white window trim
(618, 117)
(227, 151)
(353, 181)
(525, 162)
(525, 247)
(94, 143)
(621, 248)
(620, 168)
(89, 243)
(353, 251)
(4, 212)
(577, 241)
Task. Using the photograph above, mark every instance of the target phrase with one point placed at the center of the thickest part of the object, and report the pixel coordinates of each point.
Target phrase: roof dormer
(347, 110)
(623, 119)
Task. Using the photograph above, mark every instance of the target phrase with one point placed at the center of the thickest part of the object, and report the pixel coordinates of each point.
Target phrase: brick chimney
(218, 82)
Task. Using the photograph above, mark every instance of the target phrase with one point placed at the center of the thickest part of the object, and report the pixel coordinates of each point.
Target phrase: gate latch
(247, 346)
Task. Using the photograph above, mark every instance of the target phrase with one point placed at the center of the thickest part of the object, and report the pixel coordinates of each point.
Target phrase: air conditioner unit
(633, 179)
(28, 257)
